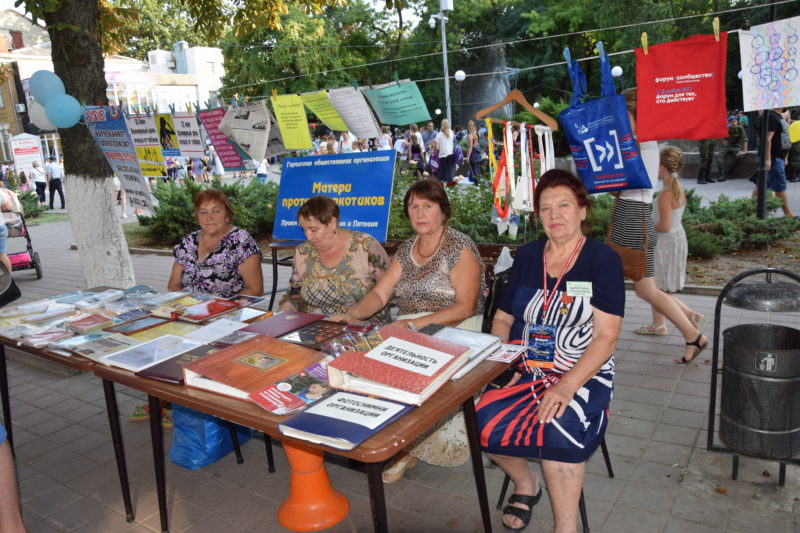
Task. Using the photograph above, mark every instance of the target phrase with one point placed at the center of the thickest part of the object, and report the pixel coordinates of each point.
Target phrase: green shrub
(30, 204)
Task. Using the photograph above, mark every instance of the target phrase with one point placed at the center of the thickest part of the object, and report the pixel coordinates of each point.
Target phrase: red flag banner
(682, 89)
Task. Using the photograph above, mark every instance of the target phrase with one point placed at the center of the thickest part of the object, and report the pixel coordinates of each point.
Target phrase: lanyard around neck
(548, 299)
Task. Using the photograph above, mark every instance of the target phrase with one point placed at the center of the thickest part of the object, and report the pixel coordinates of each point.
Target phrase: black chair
(581, 502)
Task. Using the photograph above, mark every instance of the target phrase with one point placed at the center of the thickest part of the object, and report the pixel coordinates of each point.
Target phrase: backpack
(786, 140)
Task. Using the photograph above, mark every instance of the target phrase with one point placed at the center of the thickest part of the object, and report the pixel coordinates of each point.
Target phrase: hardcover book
(166, 310)
(95, 349)
(249, 366)
(136, 325)
(482, 345)
(149, 353)
(171, 370)
(281, 323)
(90, 323)
(205, 310)
(343, 420)
(407, 366)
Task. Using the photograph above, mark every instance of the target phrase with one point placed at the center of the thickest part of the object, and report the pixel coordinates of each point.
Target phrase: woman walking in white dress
(672, 247)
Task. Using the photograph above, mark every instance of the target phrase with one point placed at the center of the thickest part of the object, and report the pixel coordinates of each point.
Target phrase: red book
(407, 366)
(90, 323)
(205, 310)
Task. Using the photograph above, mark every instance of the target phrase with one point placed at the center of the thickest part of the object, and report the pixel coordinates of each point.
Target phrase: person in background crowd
(262, 172)
(119, 195)
(401, 147)
(429, 135)
(54, 176)
(630, 220)
(39, 178)
(413, 130)
(444, 142)
(707, 147)
(364, 145)
(778, 145)
(345, 143)
(384, 140)
(735, 145)
(416, 160)
(333, 144)
(335, 267)
(672, 247)
(356, 147)
(474, 154)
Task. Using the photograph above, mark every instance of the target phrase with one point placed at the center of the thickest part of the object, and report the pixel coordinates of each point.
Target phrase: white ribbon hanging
(546, 150)
(523, 193)
(509, 147)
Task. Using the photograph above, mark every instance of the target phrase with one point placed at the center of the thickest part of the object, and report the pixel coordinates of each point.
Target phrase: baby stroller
(15, 222)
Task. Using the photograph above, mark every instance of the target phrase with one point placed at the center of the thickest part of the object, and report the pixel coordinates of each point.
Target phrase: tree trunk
(78, 61)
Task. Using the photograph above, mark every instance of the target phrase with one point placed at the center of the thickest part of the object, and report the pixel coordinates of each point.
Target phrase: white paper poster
(249, 127)
(143, 132)
(352, 107)
(770, 69)
(188, 132)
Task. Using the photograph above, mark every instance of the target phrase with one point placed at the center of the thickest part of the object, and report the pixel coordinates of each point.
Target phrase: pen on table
(412, 327)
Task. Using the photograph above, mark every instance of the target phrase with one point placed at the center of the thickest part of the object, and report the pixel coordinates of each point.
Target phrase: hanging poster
(167, 137)
(319, 104)
(351, 105)
(111, 134)
(398, 103)
(359, 183)
(142, 129)
(230, 155)
(248, 126)
(291, 115)
(26, 149)
(190, 141)
(769, 65)
(275, 143)
(682, 89)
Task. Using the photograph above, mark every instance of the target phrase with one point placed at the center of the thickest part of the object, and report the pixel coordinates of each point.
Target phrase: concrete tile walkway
(666, 481)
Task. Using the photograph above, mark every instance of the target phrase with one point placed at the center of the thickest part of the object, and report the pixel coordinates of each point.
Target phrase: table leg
(274, 276)
(471, 421)
(376, 497)
(119, 451)
(157, 436)
(5, 398)
(312, 503)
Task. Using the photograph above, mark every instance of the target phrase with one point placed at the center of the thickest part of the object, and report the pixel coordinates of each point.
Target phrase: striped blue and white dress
(508, 418)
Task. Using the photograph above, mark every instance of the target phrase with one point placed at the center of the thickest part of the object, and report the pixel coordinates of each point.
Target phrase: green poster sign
(398, 104)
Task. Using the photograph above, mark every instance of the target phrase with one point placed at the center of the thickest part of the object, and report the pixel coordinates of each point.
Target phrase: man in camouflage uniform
(707, 149)
(735, 145)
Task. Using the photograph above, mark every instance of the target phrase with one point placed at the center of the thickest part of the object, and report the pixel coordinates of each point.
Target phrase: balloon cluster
(52, 108)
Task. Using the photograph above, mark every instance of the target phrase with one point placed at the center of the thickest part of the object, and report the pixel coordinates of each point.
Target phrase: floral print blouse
(315, 288)
(217, 274)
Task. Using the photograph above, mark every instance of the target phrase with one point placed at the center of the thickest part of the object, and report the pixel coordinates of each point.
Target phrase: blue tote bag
(599, 133)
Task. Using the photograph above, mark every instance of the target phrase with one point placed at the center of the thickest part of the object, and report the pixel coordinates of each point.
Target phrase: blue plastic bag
(200, 439)
(599, 133)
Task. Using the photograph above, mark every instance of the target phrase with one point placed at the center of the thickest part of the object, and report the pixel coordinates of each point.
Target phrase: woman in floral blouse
(335, 267)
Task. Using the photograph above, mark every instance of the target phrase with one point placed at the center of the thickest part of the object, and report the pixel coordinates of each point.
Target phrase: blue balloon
(63, 111)
(44, 85)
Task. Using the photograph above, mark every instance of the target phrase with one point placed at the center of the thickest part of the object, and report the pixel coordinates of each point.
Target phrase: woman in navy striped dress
(564, 301)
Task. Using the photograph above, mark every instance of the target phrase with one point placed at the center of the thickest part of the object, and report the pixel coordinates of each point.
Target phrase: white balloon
(616, 71)
(740, 74)
(38, 117)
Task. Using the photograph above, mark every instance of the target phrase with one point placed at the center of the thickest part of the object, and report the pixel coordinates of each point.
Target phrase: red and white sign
(26, 150)
(681, 91)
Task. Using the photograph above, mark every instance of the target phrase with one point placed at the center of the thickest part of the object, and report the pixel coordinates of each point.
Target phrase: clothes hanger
(517, 96)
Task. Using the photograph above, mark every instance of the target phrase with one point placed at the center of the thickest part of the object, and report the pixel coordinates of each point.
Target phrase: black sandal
(696, 343)
(519, 512)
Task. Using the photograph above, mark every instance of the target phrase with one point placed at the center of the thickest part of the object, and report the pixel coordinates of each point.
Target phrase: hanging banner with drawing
(351, 105)
(167, 137)
(359, 183)
(291, 115)
(143, 132)
(770, 68)
(319, 104)
(398, 103)
(681, 89)
(111, 134)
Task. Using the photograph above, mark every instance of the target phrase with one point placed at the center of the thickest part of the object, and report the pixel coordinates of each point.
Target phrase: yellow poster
(151, 161)
(291, 117)
(167, 137)
(319, 104)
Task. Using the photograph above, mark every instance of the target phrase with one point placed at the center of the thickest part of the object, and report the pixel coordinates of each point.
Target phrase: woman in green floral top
(335, 267)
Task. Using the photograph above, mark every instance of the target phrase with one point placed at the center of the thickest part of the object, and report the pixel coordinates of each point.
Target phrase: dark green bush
(30, 204)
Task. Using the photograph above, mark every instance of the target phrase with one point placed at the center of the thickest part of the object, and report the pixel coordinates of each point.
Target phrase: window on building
(16, 40)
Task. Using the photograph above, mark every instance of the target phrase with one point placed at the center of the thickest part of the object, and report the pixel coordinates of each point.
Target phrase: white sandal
(650, 329)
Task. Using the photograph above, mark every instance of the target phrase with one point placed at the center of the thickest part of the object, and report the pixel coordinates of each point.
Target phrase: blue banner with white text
(359, 183)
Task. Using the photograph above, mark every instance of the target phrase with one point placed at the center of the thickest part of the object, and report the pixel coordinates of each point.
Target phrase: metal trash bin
(760, 408)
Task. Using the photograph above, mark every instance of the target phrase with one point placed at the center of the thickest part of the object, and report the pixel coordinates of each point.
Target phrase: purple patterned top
(218, 274)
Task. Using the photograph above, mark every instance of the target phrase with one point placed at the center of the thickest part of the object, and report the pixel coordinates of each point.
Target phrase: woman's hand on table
(406, 323)
(345, 318)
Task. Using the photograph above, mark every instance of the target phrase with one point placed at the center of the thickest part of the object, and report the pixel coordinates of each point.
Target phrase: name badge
(579, 288)
(541, 346)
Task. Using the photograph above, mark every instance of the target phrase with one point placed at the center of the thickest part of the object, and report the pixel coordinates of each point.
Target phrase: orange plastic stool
(312, 503)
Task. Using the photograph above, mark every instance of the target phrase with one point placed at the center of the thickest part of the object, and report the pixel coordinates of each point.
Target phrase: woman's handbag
(634, 262)
(600, 136)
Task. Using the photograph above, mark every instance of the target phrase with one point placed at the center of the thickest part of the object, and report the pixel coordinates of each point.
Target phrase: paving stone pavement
(666, 481)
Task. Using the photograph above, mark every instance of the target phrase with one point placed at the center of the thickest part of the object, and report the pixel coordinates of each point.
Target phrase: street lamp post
(444, 5)
(460, 76)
